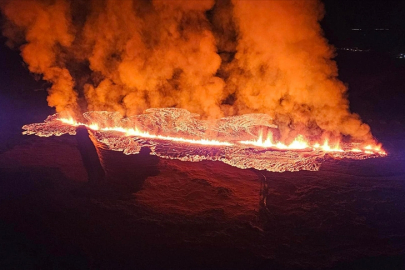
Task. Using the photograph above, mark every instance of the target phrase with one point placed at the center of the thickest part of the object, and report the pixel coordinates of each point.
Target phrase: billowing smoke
(211, 58)
(45, 33)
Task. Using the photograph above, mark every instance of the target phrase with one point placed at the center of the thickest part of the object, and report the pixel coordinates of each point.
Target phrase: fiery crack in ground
(177, 134)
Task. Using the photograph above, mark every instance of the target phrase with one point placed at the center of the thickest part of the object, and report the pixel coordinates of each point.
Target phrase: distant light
(355, 49)
(382, 29)
(401, 56)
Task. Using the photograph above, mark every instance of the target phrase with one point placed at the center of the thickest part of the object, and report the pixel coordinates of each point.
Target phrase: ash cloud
(214, 58)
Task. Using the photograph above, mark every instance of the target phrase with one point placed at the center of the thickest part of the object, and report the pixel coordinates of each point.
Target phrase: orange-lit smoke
(212, 58)
(47, 33)
(283, 67)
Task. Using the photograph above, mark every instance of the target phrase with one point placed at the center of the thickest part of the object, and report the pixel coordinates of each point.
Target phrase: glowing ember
(190, 139)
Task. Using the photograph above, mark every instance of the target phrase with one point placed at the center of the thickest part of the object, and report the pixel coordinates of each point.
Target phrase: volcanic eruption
(249, 83)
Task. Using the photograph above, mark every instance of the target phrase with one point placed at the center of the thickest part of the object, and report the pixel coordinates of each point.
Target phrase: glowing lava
(137, 133)
(177, 134)
(299, 143)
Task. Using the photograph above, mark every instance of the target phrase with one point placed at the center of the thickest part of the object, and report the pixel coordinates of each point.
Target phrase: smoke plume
(214, 58)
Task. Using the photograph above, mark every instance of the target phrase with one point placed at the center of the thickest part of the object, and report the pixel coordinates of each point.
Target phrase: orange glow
(356, 150)
(299, 143)
(280, 51)
(70, 121)
(172, 139)
(327, 148)
(136, 132)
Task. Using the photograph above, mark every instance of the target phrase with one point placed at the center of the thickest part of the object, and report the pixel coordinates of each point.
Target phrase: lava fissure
(241, 148)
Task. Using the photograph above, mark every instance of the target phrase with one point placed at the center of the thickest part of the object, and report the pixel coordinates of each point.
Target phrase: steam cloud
(211, 58)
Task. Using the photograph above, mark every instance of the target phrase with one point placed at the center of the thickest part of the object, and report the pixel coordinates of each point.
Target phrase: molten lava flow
(299, 143)
(137, 133)
(175, 133)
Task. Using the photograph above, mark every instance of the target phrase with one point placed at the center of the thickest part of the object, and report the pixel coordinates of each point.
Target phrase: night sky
(343, 16)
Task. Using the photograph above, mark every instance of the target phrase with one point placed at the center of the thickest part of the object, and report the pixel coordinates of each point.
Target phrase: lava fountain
(177, 134)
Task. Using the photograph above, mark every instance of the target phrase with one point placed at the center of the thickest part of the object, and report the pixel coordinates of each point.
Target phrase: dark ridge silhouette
(127, 171)
(89, 156)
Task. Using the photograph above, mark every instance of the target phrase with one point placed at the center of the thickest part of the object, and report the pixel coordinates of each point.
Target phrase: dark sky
(342, 16)
(366, 14)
